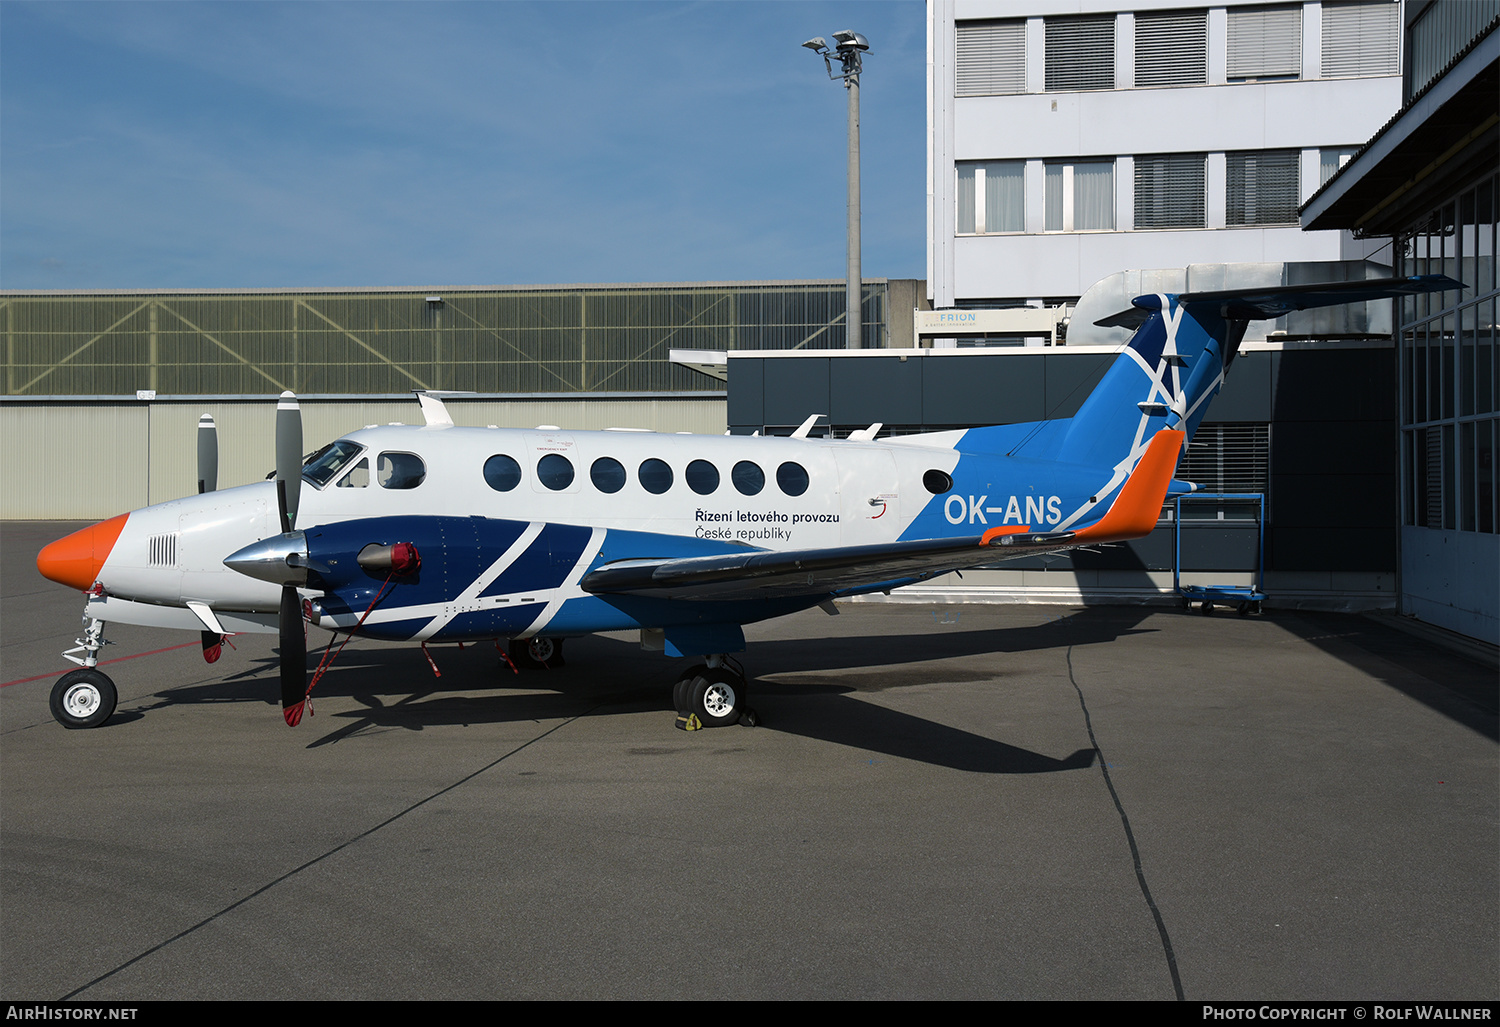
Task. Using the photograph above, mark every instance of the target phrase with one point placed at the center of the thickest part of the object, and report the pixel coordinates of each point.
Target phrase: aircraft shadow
(606, 676)
(1443, 681)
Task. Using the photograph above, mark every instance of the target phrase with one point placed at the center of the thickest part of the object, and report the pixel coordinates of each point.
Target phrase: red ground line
(117, 659)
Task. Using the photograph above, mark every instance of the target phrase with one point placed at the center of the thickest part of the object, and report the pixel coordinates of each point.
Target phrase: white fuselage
(846, 493)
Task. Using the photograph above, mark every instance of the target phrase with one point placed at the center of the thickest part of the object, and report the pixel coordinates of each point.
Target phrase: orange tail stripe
(76, 559)
(1135, 510)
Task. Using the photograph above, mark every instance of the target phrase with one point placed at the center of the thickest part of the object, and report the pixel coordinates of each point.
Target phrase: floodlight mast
(849, 50)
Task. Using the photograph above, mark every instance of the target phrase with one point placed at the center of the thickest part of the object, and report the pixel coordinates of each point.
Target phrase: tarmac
(941, 802)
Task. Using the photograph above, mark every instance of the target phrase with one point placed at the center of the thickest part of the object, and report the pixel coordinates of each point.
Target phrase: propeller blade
(293, 656)
(208, 454)
(288, 458)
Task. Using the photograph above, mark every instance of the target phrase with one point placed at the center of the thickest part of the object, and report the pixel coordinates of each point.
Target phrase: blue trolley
(1246, 600)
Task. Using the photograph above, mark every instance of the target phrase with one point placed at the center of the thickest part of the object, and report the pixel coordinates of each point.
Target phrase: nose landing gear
(85, 697)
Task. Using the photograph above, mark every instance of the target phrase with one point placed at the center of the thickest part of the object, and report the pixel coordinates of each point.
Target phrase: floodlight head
(849, 40)
(817, 43)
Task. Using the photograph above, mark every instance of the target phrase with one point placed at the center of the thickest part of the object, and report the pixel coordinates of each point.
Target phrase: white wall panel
(65, 461)
(1061, 264)
(1273, 115)
(72, 461)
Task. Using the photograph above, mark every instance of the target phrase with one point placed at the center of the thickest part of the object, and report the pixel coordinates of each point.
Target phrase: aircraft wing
(851, 569)
(807, 572)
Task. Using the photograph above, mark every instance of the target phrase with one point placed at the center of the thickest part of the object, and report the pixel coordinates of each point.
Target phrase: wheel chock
(688, 722)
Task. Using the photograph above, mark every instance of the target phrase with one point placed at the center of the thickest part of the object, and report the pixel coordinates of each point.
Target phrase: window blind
(991, 58)
(1171, 48)
(1080, 53)
(1265, 42)
(1169, 191)
(1360, 39)
(1262, 187)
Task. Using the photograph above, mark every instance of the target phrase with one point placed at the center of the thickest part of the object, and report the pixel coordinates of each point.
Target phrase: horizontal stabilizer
(1264, 303)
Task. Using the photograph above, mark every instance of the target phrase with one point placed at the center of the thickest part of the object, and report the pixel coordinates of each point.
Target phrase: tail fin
(1179, 356)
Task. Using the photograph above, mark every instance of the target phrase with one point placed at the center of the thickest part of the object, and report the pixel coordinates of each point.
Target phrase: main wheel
(682, 695)
(83, 698)
(717, 696)
(537, 652)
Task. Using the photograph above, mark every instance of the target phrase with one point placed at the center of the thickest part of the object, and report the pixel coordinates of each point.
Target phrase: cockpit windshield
(326, 464)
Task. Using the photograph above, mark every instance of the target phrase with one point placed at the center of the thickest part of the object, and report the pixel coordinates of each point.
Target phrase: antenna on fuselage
(806, 426)
(433, 411)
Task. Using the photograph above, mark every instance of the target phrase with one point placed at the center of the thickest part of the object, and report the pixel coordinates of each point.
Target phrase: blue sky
(251, 145)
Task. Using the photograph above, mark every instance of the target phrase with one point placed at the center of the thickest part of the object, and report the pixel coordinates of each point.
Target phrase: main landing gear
(85, 697)
(536, 652)
(712, 694)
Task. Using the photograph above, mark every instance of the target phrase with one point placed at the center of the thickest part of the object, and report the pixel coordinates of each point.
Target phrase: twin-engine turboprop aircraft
(447, 534)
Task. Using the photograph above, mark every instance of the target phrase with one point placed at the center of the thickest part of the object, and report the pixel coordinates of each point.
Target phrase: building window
(1265, 42)
(1438, 33)
(1263, 187)
(1080, 53)
(1359, 38)
(1449, 357)
(1171, 48)
(1228, 458)
(1331, 162)
(1169, 191)
(1080, 196)
(991, 59)
(990, 197)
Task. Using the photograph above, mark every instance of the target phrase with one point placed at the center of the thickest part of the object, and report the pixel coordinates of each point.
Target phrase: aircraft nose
(76, 559)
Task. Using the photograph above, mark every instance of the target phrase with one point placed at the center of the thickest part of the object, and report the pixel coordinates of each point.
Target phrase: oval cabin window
(702, 477)
(502, 473)
(748, 478)
(655, 475)
(792, 478)
(555, 471)
(607, 474)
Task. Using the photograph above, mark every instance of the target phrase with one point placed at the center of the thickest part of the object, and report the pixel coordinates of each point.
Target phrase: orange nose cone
(76, 559)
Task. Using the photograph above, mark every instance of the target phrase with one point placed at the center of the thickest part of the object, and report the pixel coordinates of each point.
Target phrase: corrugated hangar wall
(580, 356)
(87, 459)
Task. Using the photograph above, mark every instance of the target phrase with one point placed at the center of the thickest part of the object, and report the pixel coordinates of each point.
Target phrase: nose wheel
(83, 698)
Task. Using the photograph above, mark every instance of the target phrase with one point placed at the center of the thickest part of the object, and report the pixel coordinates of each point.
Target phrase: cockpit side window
(330, 460)
(357, 478)
(400, 470)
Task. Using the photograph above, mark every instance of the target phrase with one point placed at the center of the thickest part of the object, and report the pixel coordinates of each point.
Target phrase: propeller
(289, 621)
(288, 459)
(208, 454)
